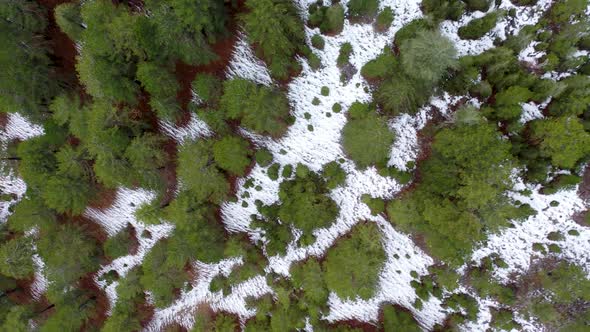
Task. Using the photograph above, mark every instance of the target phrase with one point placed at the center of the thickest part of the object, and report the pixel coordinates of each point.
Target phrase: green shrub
(118, 245)
(411, 30)
(263, 157)
(232, 154)
(481, 5)
(363, 8)
(383, 66)
(273, 171)
(444, 9)
(334, 19)
(317, 41)
(557, 137)
(428, 56)
(385, 18)
(376, 205)
(336, 108)
(396, 318)
(325, 91)
(366, 137)
(478, 27)
(344, 54)
(207, 87)
(353, 264)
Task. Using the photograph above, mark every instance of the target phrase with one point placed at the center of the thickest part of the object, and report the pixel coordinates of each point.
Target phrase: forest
(294, 165)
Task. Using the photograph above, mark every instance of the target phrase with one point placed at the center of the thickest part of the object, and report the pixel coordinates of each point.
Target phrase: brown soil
(103, 199)
(62, 48)
(101, 303)
(3, 120)
(146, 313)
(355, 324)
(186, 73)
(89, 227)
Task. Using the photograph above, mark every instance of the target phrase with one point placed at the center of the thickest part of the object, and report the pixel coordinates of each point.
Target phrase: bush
(366, 137)
(363, 8)
(478, 27)
(427, 57)
(16, 258)
(384, 19)
(383, 66)
(353, 265)
(232, 153)
(276, 27)
(334, 19)
(305, 202)
(263, 157)
(481, 5)
(67, 17)
(396, 318)
(325, 91)
(259, 108)
(411, 30)
(207, 88)
(317, 41)
(401, 95)
(118, 245)
(562, 139)
(444, 9)
(344, 54)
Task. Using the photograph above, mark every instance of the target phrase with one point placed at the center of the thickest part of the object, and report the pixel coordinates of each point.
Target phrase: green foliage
(396, 318)
(353, 265)
(385, 18)
(428, 56)
(481, 5)
(27, 81)
(366, 137)
(444, 9)
(461, 192)
(208, 88)
(275, 26)
(328, 19)
(64, 193)
(118, 245)
(199, 173)
(401, 95)
(232, 153)
(381, 67)
(562, 139)
(363, 8)
(259, 108)
(376, 205)
(263, 157)
(344, 54)
(16, 258)
(162, 86)
(17, 319)
(163, 273)
(334, 175)
(411, 30)
(317, 41)
(305, 203)
(69, 20)
(68, 254)
(198, 233)
(478, 27)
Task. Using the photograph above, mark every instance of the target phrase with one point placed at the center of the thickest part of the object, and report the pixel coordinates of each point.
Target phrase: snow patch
(244, 64)
(196, 128)
(114, 219)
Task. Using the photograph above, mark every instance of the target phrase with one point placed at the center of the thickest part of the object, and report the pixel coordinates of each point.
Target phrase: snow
(114, 220)
(505, 26)
(244, 64)
(515, 245)
(196, 128)
(532, 111)
(17, 128)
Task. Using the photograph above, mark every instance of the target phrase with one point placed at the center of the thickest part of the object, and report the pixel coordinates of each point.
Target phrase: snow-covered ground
(318, 147)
